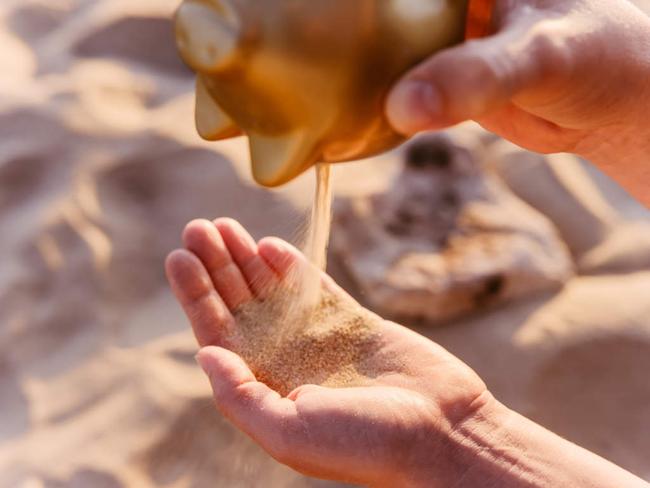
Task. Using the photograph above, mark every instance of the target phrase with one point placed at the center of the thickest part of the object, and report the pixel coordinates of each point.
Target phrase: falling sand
(304, 333)
(321, 219)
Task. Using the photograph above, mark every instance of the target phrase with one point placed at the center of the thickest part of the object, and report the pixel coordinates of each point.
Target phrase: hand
(395, 430)
(424, 420)
(555, 76)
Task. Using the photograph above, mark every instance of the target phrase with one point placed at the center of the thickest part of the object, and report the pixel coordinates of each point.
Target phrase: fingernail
(413, 106)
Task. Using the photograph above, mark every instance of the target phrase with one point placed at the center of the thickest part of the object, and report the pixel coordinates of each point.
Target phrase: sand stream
(321, 219)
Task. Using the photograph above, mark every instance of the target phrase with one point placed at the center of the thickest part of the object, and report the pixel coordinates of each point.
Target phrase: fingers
(223, 268)
(211, 320)
(282, 257)
(252, 406)
(244, 251)
(472, 79)
(292, 266)
(203, 239)
(239, 267)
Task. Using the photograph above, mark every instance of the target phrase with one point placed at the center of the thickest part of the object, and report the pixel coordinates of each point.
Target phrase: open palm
(392, 430)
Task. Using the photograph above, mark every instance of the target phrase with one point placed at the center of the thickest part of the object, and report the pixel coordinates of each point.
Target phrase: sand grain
(329, 344)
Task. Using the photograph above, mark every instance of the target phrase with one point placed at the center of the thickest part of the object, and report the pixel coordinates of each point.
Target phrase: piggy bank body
(306, 80)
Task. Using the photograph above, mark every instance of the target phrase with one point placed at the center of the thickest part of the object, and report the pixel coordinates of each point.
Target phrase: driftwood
(447, 238)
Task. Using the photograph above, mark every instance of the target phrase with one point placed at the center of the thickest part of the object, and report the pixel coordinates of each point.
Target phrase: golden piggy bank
(306, 79)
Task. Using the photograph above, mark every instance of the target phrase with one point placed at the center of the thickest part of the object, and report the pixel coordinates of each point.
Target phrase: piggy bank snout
(207, 35)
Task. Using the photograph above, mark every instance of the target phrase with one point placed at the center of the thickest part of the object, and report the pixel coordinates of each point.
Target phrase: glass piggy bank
(306, 80)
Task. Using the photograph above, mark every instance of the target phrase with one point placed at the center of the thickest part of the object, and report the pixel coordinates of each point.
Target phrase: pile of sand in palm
(288, 343)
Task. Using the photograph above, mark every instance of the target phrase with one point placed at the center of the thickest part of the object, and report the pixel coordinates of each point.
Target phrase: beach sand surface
(100, 169)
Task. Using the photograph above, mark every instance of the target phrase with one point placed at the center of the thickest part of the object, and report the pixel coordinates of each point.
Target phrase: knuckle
(551, 44)
(200, 292)
(471, 81)
(471, 70)
(489, 67)
(201, 310)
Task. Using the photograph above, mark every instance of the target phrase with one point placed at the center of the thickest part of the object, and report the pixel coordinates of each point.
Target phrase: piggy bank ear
(207, 34)
(428, 23)
(212, 123)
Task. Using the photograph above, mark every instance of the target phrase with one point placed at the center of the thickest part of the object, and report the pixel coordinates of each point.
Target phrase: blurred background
(101, 168)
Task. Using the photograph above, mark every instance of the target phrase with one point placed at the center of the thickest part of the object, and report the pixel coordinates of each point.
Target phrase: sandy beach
(101, 168)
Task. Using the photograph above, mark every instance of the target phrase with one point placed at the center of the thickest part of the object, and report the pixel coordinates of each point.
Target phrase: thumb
(256, 409)
(470, 80)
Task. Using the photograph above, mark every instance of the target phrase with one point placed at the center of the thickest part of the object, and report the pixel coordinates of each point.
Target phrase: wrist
(467, 453)
(484, 450)
(497, 447)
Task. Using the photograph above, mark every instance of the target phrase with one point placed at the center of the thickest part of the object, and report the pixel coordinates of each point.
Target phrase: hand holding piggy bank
(306, 79)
